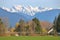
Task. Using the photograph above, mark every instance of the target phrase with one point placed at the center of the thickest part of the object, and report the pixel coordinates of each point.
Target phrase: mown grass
(31, 38)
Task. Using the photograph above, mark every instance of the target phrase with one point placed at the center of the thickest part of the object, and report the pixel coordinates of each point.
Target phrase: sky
(40, 3)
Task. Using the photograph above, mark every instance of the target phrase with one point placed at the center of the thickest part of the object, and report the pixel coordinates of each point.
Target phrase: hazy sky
(41, 3)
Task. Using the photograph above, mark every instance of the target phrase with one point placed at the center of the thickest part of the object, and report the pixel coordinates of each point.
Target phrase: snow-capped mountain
(28, 13)
(27, 10)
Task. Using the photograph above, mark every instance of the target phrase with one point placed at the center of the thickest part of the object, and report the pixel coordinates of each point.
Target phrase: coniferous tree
(37, 27)
(56, 25)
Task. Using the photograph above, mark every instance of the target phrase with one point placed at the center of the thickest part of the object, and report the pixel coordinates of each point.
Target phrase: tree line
(32, 27)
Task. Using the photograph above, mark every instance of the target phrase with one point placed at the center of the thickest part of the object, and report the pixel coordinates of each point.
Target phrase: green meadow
(31, 38)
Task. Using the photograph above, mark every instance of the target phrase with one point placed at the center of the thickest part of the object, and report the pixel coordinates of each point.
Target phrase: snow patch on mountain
(29, 10)
(5, 8)
(18, 8)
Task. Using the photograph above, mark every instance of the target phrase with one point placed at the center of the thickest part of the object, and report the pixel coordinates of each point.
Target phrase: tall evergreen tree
(37, 27)
(57, 25)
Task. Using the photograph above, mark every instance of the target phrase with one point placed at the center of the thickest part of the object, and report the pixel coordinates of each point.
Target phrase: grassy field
(31, 38)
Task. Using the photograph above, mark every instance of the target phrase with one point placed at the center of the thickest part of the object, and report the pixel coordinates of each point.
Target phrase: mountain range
(14, 14)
